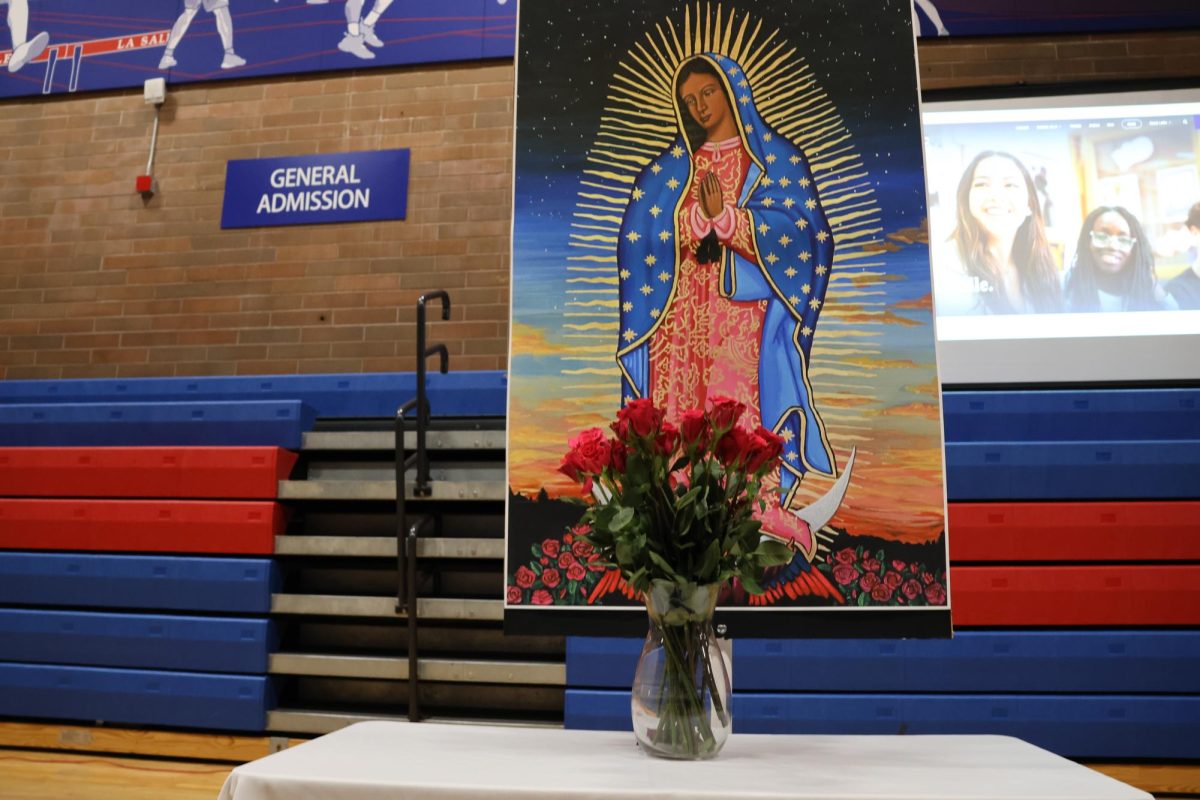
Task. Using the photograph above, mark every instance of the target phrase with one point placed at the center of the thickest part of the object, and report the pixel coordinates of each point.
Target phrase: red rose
(899, 566)
(926, 578)
(582, 529)
(550, 547)
(667, 439)
(732, 447)
(694, 430)
(525, 577)
(911, 588)
(591, 451)
(514, 595)
(868, 582)
(846, 556)
(565, 559)
(725, 413)
(882, 593)
(893, 580)
(871, 564)
(571, 466)
(764, 448)
(845, 574)
(639, 418)
(551, 578)
(619, 457)
(935, 594)
(582, 549)
(542, 598)
(575, 572)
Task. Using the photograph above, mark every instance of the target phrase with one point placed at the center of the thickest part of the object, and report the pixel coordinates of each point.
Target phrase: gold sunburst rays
(638, 123)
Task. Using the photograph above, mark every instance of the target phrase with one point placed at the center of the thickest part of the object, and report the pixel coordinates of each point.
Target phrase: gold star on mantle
(656, 169)
(673, 183)
(624, 274)
(646, 289)
(822, 235)
(763, 229)
(655, 211)
(814, 304)
(785, 240)
(664, 276)
(790, 272)
(677, 151)
(638, 194)
(822, 269)
(810, 204)
(651, 260)
(806, 288)
(664, 235)
(806, 331)
(629, 335)
(633, 236)
(627, 307)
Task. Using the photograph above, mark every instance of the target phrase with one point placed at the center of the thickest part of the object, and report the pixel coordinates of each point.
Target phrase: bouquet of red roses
(676, 504)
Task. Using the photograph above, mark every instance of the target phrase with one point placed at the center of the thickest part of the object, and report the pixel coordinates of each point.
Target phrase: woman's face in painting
(999, 199)
(705, 100)
(1111, 242)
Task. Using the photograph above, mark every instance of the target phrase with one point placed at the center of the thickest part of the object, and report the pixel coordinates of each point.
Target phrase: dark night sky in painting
(866, 69)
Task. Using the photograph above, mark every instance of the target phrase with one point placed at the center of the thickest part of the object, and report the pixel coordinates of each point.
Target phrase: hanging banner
(63, 46)
(727, 199)
(1005, 17)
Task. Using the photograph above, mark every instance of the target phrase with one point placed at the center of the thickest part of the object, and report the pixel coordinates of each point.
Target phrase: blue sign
(57, 46)
(311, 190)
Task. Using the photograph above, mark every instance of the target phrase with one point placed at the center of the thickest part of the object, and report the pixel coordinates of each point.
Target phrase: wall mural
(63, 46)
(720, 199)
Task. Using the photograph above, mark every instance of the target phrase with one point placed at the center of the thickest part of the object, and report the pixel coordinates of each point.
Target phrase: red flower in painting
(882, 593)
(911, 589)
(869, 581)
(845, 574)
(565, 559)
(576, 572)
(525, 577)
(892, 580)
(582, 549)
(550, 547)
(870, 564)
(542, 598)
(551, 578)
(935, 594)
(846, 556)
(514, 595)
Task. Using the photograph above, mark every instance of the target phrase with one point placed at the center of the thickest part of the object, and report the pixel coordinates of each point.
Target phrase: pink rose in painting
(935, 594)
(926, 578)
(882, 593)
(892, 580)
(899, 566)
(845, 574)
(869, 581)
(846, 556)
(550, 547)
(514, 595)
(565, 559)
(542, 598)
(911, 589)
(870, 564)
(582, 549)
(551, 578)
(525, 577)
(575, 572)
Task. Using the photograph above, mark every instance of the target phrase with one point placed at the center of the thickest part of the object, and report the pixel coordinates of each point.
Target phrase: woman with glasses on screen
(1004, 261)
(1114, 266)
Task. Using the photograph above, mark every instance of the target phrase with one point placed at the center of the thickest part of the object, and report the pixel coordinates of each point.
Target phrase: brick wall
(95, 283)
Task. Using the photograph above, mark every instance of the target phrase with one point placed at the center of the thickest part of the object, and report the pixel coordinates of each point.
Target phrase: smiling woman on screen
(1004, 262)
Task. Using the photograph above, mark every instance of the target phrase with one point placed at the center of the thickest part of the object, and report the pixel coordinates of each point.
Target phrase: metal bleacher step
(284, 720)
(326, 605)
(429, 669)
(385, 547)
(349, 489)
(349, 441)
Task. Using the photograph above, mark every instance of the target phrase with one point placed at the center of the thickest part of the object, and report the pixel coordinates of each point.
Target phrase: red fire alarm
(145, 185)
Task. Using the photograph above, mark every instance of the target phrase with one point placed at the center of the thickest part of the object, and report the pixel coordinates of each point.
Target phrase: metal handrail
(407, 535)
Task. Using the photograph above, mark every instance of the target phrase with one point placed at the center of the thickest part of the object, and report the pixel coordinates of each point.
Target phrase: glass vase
(681, 689)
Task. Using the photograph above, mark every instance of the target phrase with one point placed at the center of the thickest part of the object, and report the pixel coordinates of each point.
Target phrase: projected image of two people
(1063, 218)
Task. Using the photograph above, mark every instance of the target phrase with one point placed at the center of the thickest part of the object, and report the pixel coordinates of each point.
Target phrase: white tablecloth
(396, 760)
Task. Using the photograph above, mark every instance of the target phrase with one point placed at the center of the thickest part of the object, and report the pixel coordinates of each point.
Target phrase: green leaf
(662, 564)
(536, 550)
(708, 564)
(621, 519)
(752, 585)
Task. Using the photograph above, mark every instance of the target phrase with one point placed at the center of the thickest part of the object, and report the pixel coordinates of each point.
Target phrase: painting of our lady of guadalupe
(725, 201)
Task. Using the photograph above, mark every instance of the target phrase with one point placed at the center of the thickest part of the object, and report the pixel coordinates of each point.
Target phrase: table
(397, 760)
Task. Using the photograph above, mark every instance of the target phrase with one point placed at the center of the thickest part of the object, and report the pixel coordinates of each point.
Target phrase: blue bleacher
(455, 394)
(72, 580)
(144, 641)
(135, 697)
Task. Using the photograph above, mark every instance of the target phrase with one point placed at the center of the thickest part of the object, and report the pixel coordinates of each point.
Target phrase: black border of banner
(783, 623)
